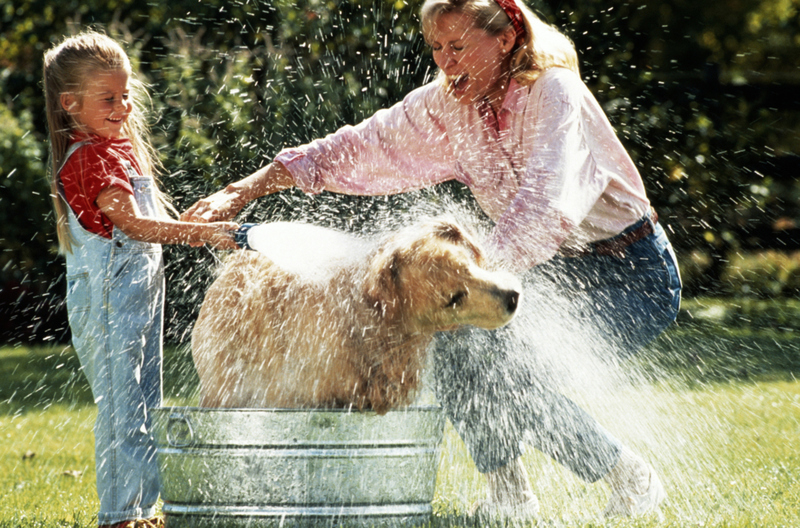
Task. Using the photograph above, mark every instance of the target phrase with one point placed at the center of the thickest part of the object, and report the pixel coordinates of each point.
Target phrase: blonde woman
(510, 118)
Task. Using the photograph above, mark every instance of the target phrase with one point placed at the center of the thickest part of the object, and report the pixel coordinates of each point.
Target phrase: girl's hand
(220, 235)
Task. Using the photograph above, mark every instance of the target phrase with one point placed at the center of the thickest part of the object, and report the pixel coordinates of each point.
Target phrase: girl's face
(103, 107)
(475, 62)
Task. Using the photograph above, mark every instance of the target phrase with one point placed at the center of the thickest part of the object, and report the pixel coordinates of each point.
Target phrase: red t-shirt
(94, 166)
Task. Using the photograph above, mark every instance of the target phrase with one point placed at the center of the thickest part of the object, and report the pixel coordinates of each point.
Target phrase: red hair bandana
(513, 11)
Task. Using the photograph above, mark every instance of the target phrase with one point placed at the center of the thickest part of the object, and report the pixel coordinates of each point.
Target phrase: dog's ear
(382, 283)
(457, 235)
(448, 231)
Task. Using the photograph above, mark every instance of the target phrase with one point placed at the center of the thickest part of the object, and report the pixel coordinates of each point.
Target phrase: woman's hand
(225, 204)
(222, 205)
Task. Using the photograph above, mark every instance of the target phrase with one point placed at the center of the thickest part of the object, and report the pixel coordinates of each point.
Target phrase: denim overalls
(115, 298)
(496, 394)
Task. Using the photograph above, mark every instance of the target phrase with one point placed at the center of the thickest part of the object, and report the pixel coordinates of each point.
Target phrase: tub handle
(179, 431)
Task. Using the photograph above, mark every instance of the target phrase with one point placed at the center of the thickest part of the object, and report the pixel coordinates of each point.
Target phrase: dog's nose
(511, 301)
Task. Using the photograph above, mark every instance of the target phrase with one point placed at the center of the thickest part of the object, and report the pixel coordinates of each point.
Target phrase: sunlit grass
(47, 467)
(47, 473)
(717, 412)
(727, 455)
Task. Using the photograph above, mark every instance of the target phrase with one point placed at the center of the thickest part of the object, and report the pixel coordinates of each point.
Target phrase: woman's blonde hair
(544, 45)
(66, 68)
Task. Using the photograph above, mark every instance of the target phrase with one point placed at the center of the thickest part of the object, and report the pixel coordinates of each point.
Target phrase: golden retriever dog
(320, 319)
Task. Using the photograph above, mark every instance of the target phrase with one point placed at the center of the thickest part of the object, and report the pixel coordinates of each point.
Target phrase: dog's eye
(456, 299)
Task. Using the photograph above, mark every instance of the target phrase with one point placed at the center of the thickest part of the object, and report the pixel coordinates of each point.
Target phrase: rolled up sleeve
(396, 150)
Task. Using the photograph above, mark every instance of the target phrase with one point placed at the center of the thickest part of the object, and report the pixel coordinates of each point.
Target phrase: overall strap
(70, 151)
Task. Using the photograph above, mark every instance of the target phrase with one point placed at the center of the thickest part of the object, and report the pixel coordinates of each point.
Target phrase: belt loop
(615, 246)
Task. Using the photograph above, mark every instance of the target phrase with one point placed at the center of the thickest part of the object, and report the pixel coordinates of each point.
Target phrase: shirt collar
(79, 135)
(514, 101)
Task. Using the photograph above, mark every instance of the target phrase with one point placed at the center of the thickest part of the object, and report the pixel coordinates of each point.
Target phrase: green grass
(47, 474)
(715, 408)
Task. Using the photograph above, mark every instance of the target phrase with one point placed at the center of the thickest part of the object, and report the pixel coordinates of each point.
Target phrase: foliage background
(703, 94)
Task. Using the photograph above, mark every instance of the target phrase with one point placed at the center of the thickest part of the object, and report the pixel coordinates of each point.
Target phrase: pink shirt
(548, 169)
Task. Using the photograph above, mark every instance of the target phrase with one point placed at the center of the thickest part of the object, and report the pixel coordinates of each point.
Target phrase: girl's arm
(121, 208)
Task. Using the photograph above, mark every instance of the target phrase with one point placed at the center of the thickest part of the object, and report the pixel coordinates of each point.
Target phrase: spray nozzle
(240, 236)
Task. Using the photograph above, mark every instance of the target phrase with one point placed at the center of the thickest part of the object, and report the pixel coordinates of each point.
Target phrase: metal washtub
(281, 467)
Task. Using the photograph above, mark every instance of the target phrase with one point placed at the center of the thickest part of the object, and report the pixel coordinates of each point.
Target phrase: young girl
(510, 118)
(110, 221)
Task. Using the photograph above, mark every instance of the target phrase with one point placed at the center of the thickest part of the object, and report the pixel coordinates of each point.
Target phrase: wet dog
(345, 325)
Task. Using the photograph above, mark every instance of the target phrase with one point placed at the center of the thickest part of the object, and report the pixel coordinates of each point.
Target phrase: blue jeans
(494, 393)
(115, 297)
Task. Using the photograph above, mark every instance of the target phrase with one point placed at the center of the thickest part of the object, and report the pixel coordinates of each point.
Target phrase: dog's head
(433, 277)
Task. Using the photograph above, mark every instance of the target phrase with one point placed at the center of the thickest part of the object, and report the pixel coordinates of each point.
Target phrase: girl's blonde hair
(544, 45)
(66, 68)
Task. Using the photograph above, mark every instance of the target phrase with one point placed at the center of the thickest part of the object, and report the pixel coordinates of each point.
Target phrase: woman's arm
(121, 208)
(398, 149)
(225, 204)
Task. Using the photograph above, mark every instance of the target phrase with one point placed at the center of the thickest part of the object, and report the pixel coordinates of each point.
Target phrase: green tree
(702, 94)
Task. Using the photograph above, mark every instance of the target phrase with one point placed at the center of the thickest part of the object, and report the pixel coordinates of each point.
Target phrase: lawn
(715, 407)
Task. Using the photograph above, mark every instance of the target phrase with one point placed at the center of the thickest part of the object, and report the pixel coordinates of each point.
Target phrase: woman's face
(475, 62)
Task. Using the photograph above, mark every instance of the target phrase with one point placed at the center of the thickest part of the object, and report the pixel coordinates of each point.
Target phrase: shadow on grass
(36, 377)
(702, 354)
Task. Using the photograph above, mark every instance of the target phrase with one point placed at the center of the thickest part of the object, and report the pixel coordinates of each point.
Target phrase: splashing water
(673, 426)
(685, 432)
(310, 251)
(659, 418)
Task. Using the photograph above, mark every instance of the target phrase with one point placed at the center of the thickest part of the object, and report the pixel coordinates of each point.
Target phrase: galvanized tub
(282, 467)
